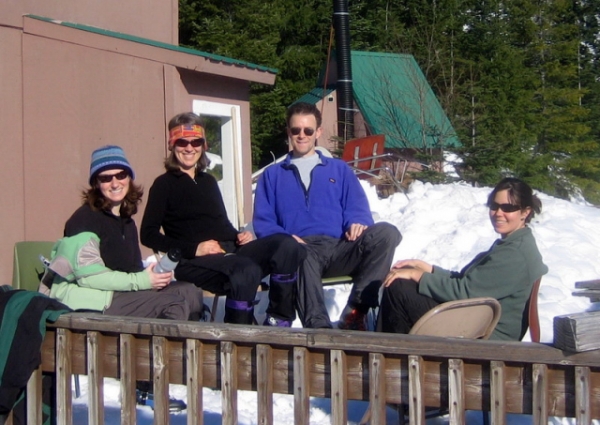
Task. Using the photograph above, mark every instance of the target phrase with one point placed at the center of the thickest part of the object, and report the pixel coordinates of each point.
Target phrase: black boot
(239, 312)
(282, 300)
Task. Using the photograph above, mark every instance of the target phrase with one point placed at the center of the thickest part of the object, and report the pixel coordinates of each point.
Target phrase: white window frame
(231, 147)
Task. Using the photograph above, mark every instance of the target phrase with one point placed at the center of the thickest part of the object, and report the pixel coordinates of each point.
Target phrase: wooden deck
(341, 365)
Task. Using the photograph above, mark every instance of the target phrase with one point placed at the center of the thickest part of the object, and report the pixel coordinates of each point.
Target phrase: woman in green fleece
(505, 272)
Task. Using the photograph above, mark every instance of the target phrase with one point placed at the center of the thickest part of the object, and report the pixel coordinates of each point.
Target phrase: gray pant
(367, 260)
(177, 301)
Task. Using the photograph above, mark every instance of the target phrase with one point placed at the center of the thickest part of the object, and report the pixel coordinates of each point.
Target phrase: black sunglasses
(196, 143)
(507, 208)
(307, 131)
(107, 178)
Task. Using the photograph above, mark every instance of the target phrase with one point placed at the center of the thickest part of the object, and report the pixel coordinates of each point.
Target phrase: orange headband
(182, 131)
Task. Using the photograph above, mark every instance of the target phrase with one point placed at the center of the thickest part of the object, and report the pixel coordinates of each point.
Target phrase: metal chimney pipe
(341, 23)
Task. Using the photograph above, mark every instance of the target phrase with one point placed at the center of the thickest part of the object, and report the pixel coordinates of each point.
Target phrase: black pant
(402, 306)
(238, 274)
(367, 260)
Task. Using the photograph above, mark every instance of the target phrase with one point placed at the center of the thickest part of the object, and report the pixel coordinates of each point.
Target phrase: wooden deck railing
(341, 365)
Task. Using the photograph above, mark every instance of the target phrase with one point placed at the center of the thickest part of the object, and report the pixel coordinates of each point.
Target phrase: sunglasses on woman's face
(196, 143)
(307, 131)
(107, 178)
(507, 208)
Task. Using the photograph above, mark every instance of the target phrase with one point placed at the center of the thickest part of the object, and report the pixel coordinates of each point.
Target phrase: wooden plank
(326, 339)
(195, 413)
(416, 391)
(95, 379)
(497, 393)
(588, 284)
(582, 396)
(577, 332)
(127, 379)
(456, 390)
(339, 396)
(377, 393)
(540, 394)
(264, 383)
(34, 398)
(229, 383)
(160, 355)
(64, 407)
(301, 386)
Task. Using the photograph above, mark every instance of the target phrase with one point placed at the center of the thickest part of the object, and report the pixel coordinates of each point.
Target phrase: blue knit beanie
(108, 157)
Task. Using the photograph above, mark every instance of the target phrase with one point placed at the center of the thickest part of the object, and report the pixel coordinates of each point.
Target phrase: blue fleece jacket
(334, 200)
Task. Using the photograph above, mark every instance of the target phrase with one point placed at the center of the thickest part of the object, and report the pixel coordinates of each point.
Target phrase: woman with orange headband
(185, 202)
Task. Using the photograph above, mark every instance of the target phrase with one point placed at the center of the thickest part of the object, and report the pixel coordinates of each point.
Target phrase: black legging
(402, 306)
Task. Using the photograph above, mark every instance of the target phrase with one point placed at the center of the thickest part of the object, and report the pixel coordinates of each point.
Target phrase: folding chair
(474, 318)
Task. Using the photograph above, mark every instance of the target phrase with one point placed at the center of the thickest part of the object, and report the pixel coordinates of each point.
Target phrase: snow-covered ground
(445, 225)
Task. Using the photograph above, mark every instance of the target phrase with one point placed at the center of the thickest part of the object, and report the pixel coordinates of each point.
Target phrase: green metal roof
(396, 100)
(315, 95)
(159, 44)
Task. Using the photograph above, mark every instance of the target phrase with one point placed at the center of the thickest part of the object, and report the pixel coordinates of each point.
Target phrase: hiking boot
(274, 321)
(146, 398)
(353, 319)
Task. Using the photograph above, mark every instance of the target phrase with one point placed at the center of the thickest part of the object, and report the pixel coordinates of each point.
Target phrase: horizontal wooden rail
(416, 371)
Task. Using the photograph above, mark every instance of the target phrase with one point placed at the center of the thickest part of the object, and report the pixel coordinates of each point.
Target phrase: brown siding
(12, 223)
(156, 20)
(65, 92)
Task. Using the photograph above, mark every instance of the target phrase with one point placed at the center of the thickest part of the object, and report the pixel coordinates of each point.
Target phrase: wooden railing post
(301, 386)
(264, 383)
(456, 391)
(64, 407)
(34, 398)
(95, 379)
(160, 354)
(127, 379)
(416, 391)
(582, 395)
(377, 394)
(497, 393)
(540, 394)
(339, 395)
(194, 381)
(229, 383)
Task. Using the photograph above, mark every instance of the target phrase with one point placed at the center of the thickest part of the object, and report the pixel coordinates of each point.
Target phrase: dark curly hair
(98, 202)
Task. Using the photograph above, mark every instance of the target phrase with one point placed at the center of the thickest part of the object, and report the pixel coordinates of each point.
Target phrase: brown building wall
(157, 20)
(65, 92)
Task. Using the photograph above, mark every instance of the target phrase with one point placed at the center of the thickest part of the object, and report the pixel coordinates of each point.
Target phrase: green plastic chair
(28, 269)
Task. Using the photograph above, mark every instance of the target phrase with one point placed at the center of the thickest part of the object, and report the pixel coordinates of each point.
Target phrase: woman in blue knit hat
(122, 286)
(98, 264)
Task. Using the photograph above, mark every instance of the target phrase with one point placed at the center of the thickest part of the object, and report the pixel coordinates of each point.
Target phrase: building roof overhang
(120, 43)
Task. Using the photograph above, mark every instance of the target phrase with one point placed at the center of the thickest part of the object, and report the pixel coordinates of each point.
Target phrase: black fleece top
(189, 211)
(119, 244)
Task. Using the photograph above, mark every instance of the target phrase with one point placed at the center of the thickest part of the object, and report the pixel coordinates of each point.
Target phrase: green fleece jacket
(505, 272)
(82, 281)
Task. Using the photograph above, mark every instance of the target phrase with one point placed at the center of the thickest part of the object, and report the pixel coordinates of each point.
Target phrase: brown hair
(520, 193)
(97, 202)
(303, 108)
(187, 118)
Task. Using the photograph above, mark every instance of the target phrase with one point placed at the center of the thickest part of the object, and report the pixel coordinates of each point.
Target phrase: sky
(446, 225)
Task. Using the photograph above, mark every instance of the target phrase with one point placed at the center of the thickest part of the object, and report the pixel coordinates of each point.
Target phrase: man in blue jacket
(320, 202)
